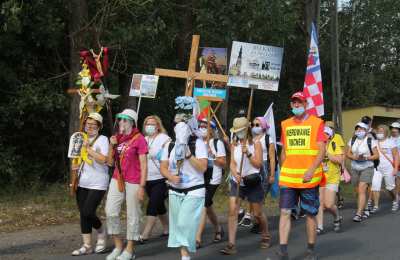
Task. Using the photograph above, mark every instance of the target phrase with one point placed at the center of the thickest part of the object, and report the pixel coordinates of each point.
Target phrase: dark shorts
(210, 192)
(307, 199)
(253, 195)
(157, 192)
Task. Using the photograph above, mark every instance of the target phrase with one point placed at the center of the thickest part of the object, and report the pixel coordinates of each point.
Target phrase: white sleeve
(201, 150)
(221, 149)
(164, 155)
(102, 145)
(271, 141)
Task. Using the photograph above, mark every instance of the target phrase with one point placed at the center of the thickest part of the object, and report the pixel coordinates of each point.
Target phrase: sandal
(230, 249)
(265, 242)
(101, 246)
(337, 224)
(219, 235)
(320, 231)
(84, 250)
(357, 218)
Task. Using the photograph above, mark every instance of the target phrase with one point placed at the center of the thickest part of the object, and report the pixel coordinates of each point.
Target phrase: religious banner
(255, 65)
(144, 86)
(75, 145)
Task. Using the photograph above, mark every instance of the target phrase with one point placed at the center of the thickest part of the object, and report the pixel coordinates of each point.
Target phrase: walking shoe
(294, 215)
(395, 206)
(114, 254)
(247, 221)
(84, 250)
(230, 249)
(365, 214)
(126, 256)
(357, 218)
(337, 224)
(374, 210)
(340, 203)
(320, 231)
(241, 216)
(255, 229)
(369, 205)
(311, 255)
(282, 256)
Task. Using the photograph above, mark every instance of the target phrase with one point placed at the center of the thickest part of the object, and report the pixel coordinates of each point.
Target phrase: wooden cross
(191, 75)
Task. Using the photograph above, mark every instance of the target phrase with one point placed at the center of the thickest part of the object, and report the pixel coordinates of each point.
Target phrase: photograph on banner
(75, 145)
(213, 61)
(143, 85)
(255, 65)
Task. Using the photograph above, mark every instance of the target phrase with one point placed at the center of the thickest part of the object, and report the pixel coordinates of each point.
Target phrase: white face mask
(150, 129)
(360, 134)
(257, 130)
(241, 135)
(380, 136)
(201, 132)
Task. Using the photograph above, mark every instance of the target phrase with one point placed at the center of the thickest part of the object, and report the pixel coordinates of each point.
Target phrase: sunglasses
(255, 125)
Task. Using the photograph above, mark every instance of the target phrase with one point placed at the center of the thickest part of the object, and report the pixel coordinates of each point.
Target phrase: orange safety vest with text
(301, 149)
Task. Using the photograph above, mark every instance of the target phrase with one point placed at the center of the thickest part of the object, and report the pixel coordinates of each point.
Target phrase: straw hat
(239, 124)
(96, 116)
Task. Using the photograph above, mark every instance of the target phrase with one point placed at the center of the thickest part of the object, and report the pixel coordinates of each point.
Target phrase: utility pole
(335, 62)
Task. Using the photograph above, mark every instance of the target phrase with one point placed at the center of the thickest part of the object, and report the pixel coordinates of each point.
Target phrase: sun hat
(263, 122)
(239, 124)
(96, 116)
(129, 114)
(299, 95)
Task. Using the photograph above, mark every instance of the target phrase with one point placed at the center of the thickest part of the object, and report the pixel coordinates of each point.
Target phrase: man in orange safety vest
(301, 173)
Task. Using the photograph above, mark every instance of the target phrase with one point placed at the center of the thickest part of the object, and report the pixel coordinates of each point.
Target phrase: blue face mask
(298, 111)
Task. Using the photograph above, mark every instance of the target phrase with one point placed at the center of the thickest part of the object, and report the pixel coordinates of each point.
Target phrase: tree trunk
(77, 19)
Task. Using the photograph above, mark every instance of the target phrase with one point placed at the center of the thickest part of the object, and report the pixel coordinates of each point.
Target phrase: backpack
(266, 136)
(369, 143)
(215, 144)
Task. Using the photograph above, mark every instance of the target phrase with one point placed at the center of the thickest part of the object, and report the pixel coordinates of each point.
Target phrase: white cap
(362, 125)
(130, 113)
(96, 116)
(395, 125)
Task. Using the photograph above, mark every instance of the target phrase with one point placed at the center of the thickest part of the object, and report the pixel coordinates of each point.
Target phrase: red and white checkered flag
(313, 82)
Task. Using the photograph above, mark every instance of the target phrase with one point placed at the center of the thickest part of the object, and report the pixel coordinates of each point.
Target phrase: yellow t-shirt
(335, 147)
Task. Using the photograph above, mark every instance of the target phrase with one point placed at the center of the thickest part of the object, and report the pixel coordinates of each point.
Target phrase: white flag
(269, 116)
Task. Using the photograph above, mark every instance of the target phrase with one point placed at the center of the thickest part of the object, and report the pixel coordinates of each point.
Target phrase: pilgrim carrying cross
(191, 75)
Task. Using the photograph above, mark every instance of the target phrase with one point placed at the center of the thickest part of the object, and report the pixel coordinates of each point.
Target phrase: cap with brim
(128, 114)
(362, 125)
(239, 124)
(204, 120)
(299, 95)
(395, 125)
(122, 116)
(96, 116)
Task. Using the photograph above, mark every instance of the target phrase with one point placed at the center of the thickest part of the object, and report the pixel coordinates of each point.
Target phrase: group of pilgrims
(180, 177)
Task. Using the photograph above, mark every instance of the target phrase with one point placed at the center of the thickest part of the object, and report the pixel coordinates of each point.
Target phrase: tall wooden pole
(336, 87)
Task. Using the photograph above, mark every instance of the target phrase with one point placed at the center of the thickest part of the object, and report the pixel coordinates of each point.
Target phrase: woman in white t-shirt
(246, 161)
(213, 178)
(93, 183)
(362, 151)
(395, 137)
(387, 168)
(156, 188)
(184, 166)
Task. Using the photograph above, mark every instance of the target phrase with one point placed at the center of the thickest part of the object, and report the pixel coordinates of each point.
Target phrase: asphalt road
(376, 238)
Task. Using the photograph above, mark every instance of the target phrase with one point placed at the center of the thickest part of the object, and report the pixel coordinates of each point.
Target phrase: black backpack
(369, 143)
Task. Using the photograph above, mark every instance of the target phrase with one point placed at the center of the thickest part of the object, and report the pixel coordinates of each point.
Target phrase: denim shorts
(307, 199)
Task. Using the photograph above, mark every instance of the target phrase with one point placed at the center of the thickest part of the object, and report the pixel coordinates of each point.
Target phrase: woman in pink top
(130, 161)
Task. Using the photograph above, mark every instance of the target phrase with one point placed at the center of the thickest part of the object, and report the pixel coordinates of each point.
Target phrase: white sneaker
(126, 256)
(114, 254)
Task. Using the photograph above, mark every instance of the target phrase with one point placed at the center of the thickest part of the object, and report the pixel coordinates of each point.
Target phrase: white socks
(185, 258)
